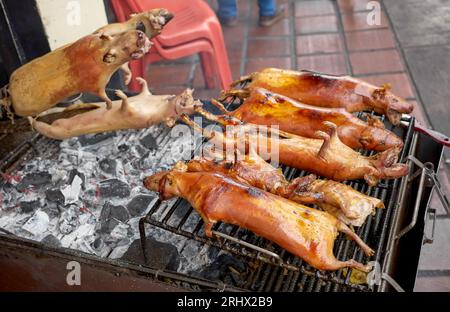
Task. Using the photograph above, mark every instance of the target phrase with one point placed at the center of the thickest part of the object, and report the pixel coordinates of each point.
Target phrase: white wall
(67, 20)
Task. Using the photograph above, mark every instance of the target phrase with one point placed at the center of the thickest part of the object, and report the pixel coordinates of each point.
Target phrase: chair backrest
(123, 8)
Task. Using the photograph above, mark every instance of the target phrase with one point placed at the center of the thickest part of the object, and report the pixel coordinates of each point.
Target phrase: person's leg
(227, 9)
(269, 14)
(267, 7)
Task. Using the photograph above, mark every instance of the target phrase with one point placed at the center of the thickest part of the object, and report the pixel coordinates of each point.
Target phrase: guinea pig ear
(110, 57)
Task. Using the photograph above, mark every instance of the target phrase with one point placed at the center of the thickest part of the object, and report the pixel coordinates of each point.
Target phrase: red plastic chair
(195, 29)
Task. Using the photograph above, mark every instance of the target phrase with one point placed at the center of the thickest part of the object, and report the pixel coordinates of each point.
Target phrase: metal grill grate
(290, 274)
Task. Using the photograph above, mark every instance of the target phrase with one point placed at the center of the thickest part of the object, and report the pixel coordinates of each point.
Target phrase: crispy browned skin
(138, 112)
(328, 91)
(253, 170)
(342, 201)
(266, 108)
(326, 156)
(83, 66)
(305, 232)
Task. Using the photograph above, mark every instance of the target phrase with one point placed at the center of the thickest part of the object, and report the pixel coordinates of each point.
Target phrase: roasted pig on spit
(325, 156)
(305, 232)
(342, 201)
(318, 89)
(136, 112)
(263, 107)
(83, 66)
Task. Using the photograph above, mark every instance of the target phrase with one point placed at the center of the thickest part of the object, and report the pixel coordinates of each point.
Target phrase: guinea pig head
(127, 46)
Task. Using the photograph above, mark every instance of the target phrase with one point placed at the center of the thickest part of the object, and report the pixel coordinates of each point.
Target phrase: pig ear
(110, 57)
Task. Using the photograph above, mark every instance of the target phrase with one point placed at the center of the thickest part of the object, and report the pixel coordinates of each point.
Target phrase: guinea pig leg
(353, 236)
(220, 106)
(125, 104)
(144, 85)
(241, 94)
(326, 143)
(127, 74)
(102, 94)
(242, 80)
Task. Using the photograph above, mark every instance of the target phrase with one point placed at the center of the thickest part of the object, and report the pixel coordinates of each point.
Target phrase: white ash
(73, 218)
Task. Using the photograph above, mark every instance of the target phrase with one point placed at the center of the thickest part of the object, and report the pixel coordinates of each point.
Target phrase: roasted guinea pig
(327, 91)
(83, 66)
(342, 201)
(305, 232)
(325, 156)
(136, 112)
(266, 108)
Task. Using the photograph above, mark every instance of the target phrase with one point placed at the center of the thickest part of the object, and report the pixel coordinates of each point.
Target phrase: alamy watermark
(73, 17)
(374, 16)
(73, 278)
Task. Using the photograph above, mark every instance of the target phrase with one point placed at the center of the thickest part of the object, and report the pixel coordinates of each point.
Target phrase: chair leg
(207, 63)
(221, 56)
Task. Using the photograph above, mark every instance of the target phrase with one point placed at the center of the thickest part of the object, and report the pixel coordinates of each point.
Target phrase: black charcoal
(73, 173)
(51, 241)
(37, 179)
(28, 207)
(87, 140)
(159, 255)
(114, 188)
(139, 205)
(149, 142)
(108, 166)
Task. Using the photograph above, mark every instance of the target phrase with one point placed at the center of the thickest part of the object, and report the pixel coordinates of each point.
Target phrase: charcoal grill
(278, 270)
(395, 233)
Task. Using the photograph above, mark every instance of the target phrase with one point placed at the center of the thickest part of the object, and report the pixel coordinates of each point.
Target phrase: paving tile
(258, 64)
(279, 29)
(419, 113)
(418, 22)
(329, 64)
(376, 62)
(444, 178)
(433, 284)
(430, 68)
(400, 83)
(206, 94)
(436, 256)
(168, 74)
(311, 8)
(353, 5)
(233, 34)
(358, 21)
(316, 24)
(199, 81)
(234, 53)
(268, 47)
(167, 89)
(370, 40)
(321, 43)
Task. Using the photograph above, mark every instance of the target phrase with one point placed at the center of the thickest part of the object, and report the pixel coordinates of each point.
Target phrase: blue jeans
(228, 8)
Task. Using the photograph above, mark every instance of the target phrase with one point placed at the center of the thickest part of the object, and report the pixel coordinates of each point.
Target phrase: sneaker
(229, 21)
(267, 21)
